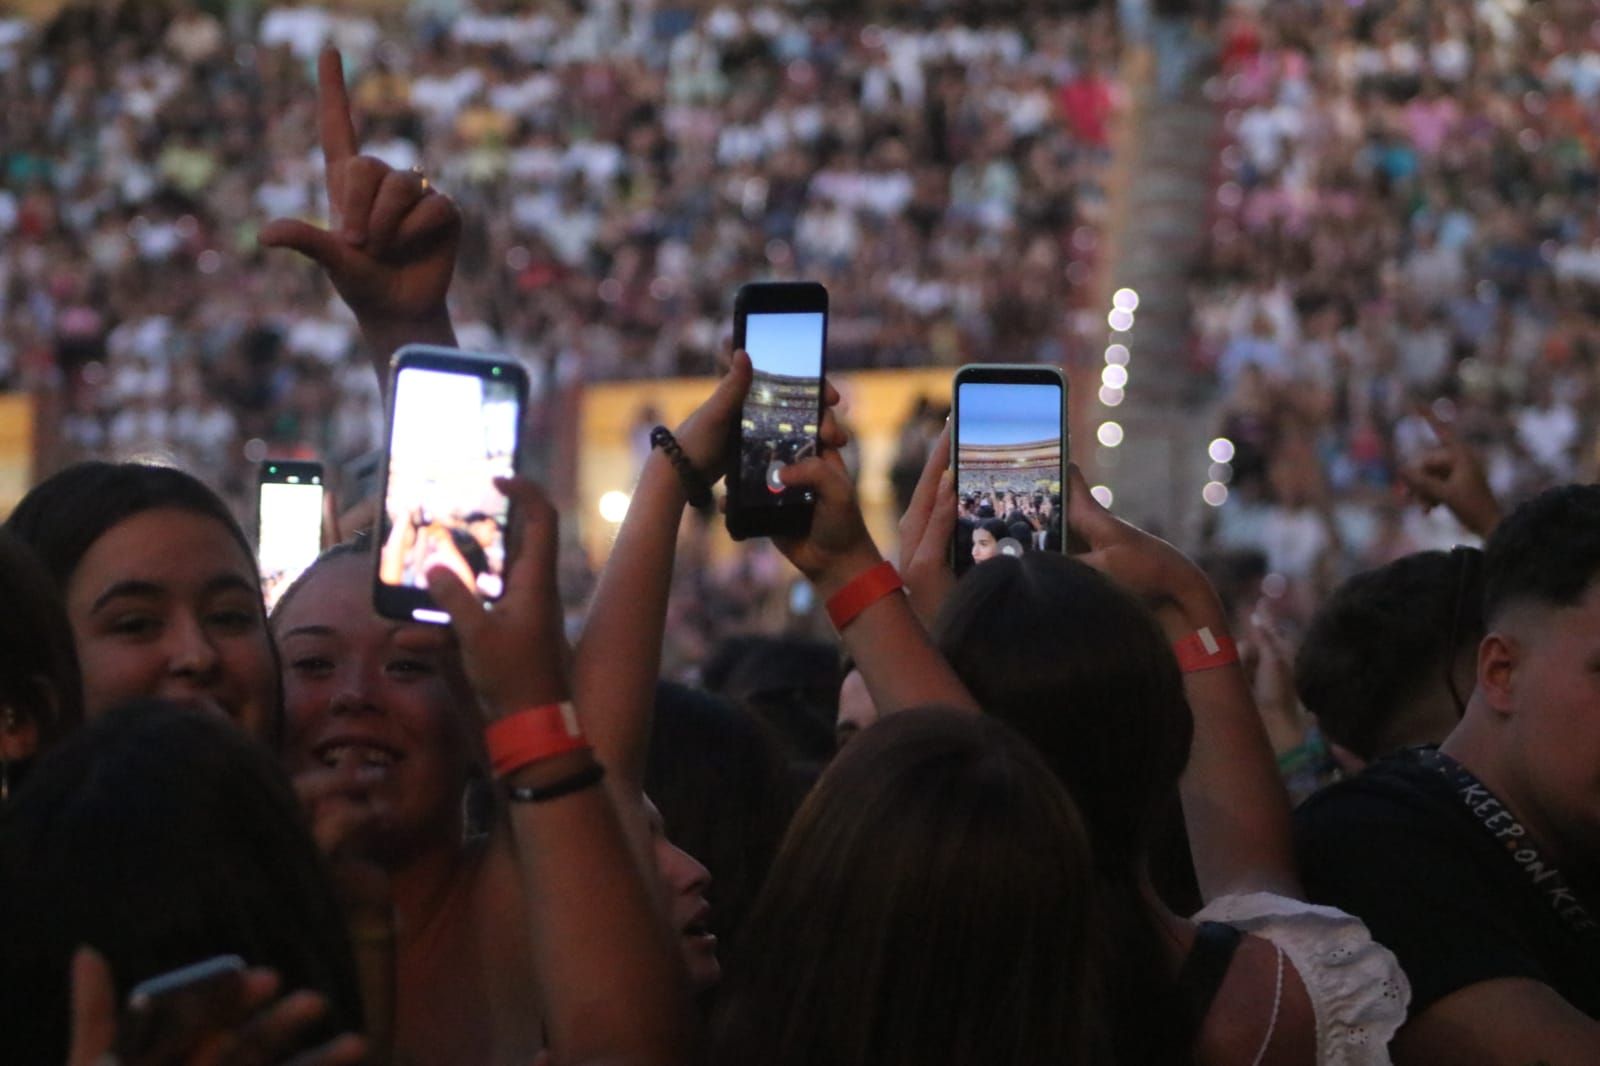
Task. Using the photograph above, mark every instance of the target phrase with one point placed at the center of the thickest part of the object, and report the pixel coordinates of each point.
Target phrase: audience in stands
(1056, 830)
(1403, 236)
(624, 168)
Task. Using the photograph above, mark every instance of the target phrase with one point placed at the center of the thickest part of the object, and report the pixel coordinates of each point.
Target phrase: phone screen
(1009, 467)
(453, 434)
(290, 533)
(779, 424)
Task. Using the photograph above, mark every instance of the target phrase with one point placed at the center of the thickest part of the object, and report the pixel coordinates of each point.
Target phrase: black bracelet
(585, 778)
(694, 486)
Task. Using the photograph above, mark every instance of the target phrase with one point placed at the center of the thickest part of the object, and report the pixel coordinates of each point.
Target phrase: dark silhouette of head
(932, 903)
(160, 836)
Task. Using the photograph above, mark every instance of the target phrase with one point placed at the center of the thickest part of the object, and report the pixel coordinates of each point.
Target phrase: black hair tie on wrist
(694, 486)
(588, 777)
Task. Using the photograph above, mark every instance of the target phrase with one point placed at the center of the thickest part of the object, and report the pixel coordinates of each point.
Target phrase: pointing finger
(336, 127)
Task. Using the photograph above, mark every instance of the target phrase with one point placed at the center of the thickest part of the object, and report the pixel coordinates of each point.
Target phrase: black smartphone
(288, 522)
(455, 424)
(784, 328)
(167, 1013)
(1010, 457)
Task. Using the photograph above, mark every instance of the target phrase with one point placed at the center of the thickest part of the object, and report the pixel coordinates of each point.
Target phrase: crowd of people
(1032, 813)
(626, 167)
(1403, 235)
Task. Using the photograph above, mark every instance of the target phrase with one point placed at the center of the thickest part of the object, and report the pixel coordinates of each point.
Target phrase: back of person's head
(790, 683)
(63, 516)
(160, 837)
(726, 795)
(1545, 553)
(1081, 669)
(932, 903)
(41, 693)
(1378, 661)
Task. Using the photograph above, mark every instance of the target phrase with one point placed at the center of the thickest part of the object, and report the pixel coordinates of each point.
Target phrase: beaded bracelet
(694, 486)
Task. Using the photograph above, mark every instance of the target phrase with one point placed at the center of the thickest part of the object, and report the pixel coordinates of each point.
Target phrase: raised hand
(1451, 473)
(515, 653)
(1144, 564)
(838, 548)
(390, 248)
(925, 532)
(704, 435)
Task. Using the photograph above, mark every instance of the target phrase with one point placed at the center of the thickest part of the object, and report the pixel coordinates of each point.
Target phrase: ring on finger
(422, 176)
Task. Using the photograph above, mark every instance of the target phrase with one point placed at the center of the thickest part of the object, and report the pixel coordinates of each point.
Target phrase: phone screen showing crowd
(1009, 467)
(779, 423)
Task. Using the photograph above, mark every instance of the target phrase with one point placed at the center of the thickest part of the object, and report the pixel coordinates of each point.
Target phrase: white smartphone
(455, 424)
(288, 523)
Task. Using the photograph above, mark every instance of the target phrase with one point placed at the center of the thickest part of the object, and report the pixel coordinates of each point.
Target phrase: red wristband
(1204, 650)
(866, 589)
(530, 736)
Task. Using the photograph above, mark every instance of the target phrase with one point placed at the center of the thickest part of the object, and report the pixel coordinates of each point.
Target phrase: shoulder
(1352, 990)
(1375, 820)
(1396, 848)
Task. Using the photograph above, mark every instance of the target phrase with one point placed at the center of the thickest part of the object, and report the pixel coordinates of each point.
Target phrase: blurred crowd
(622, 167)
(1404, 232)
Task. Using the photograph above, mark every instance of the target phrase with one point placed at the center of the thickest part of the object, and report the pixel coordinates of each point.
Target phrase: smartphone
(455, 424)
(172, 1010)
(1010, 457)
(784, 328)
(288, 523)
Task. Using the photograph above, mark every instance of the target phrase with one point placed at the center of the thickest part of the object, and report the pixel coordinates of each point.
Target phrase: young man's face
(1553, 695)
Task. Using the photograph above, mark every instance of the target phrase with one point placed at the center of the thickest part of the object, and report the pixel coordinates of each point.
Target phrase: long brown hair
(1081, 669)
(932, 903)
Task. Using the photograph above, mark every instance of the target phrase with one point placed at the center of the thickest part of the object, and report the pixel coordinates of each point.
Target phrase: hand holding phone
(190, 1014)
(926, 530)
(783, 327)
(175, 1009)
(837, 545)
(455, 426)
(514, 655)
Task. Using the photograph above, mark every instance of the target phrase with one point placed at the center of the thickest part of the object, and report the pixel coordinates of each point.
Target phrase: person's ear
(1498, 657)
(19, 735)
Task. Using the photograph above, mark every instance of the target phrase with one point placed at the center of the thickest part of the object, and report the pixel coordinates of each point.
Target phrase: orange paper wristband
(529, 736)
(866, 589)
(1204, 650)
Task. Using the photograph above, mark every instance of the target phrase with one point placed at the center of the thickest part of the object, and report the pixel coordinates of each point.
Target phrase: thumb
(1085, 516)
(313, 242)
(330, 519)
(934, 548)
(827, 479)
(456, 600)
(732, 389)
(94, 1009)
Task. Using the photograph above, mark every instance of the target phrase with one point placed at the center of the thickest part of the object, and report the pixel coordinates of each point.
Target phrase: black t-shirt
(1398, 848)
